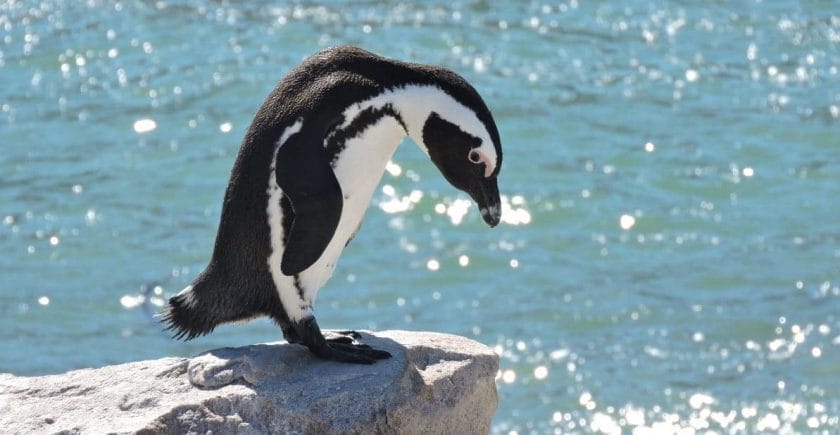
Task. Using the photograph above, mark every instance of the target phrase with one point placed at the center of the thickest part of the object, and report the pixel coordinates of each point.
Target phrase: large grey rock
(435, 383)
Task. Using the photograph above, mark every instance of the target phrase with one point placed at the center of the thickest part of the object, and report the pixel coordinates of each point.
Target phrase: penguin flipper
(304, 174)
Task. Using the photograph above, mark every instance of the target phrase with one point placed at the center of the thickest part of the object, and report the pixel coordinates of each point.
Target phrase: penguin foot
(352, 353)
(341, 346)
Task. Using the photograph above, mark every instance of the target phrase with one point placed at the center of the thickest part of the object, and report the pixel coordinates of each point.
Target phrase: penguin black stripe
(337, 139)
(299, 287)
(303, 179)
(288, 217)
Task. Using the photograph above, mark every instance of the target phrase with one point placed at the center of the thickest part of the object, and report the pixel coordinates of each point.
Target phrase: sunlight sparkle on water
(508, 376)
(393, 169)
(626, 221)
(145, 125)
(464, 261)
(586, 401)
(514, 211)
(634, 416)
(225, 127)
(44, 301)
(769, 421)
(396, 203)
(604, 423)
(699, 400)
(691, 75)
(456, 210)
(90, 216)
(131, 301)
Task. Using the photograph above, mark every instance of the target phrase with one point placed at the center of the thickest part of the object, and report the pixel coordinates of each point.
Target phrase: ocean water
(669, 258)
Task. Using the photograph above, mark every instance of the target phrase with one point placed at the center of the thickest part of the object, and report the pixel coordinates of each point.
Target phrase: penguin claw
(354, 353)
(345, 337)
(366, 351)
(348, 332)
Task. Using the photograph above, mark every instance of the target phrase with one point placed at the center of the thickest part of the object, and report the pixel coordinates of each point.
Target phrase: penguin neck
(361, 151)
(410, 105)
(373, 128)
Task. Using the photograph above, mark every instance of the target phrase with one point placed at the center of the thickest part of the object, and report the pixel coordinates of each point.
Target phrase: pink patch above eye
(477, 157)
(488, 165)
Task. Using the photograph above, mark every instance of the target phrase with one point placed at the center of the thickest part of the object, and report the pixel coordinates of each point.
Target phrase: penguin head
(462, 140)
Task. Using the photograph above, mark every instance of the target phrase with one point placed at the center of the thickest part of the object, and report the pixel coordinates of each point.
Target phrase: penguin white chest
(360, 165)
(359, 168)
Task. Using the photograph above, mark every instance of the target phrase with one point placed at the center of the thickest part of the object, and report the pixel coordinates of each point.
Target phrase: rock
(434, 383)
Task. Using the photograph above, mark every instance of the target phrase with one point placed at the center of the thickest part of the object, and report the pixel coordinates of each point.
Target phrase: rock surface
(434, 383)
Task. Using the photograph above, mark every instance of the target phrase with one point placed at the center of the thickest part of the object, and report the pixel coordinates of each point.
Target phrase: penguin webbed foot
(340, 346)
(352, 353)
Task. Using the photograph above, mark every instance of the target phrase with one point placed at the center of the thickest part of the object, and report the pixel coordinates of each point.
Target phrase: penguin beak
(486, 195)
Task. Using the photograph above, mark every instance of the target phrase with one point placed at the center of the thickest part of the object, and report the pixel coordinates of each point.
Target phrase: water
(669, 257)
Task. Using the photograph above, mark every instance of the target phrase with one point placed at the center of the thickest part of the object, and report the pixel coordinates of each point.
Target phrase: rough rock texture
(435, 383)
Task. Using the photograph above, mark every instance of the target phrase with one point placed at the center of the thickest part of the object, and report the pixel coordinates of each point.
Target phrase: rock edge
(434, 383)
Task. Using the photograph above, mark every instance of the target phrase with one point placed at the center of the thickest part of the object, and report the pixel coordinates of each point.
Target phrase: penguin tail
(187, 317)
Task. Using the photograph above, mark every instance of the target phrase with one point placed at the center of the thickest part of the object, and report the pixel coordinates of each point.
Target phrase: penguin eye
(474, 156)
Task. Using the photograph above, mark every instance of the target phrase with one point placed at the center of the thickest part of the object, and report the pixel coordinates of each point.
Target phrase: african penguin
(303, 179)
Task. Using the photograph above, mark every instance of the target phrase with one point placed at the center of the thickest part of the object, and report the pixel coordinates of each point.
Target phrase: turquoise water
(670, 252)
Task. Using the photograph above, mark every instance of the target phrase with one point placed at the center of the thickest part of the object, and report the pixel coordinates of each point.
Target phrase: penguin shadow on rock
(267, 365)
(303, 179)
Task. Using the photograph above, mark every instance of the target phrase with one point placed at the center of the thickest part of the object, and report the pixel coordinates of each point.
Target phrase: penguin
(304, 176)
